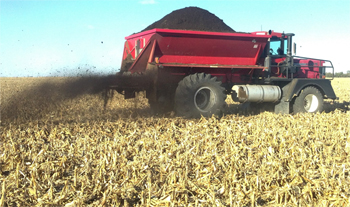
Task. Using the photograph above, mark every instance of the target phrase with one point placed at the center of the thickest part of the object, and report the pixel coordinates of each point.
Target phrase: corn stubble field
(63, 144)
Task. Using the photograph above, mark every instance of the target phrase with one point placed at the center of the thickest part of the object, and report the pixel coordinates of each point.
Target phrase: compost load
(188, 18)
(191, 18)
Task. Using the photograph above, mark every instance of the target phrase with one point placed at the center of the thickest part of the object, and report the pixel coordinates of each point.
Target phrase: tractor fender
(293, 88)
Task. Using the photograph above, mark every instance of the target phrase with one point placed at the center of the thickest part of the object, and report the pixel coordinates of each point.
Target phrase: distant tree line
(339, 74)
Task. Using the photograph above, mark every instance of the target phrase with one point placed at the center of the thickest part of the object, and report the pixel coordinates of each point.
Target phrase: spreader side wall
(200, 48)
(210, 50)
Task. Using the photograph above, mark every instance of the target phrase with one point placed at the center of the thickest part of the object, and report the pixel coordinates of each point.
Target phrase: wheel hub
(204, 99)
(310, 103)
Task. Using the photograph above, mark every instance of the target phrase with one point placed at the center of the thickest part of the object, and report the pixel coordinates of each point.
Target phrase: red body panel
(202, 48)
(309, 68)
(231, 56)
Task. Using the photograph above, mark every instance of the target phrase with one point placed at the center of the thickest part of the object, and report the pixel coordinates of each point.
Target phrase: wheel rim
(204, 99)
(311, 103)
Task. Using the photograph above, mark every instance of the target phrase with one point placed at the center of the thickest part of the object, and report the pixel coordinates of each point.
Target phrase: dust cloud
(34, 98)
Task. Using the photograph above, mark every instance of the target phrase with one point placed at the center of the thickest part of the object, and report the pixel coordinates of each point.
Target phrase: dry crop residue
(77, 153)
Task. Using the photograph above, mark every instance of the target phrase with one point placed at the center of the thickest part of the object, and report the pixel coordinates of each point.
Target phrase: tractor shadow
(247, 109)
(330, 106)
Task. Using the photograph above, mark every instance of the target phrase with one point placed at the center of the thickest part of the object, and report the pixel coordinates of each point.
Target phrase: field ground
(64, 144)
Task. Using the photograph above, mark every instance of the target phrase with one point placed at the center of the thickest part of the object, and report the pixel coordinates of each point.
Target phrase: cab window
(278, 47)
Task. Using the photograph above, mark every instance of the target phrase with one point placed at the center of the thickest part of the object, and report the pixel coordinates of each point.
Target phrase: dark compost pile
(191, 18)
(188, 18)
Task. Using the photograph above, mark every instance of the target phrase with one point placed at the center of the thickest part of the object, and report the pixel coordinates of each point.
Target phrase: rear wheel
(199, 94)
(310, 100)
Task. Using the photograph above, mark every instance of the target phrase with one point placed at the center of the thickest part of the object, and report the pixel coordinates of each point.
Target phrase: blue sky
(45, 38)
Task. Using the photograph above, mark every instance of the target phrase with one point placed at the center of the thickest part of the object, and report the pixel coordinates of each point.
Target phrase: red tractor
(192, 72)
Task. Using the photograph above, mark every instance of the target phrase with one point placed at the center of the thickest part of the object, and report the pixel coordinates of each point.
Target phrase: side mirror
(295, 48)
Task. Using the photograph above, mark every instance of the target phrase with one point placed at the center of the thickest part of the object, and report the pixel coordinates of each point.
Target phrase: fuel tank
(256, 93)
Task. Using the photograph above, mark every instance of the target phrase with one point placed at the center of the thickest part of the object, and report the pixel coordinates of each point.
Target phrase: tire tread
(184, 105)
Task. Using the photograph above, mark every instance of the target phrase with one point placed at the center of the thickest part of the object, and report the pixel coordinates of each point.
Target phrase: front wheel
(199, 94)
(310, 100)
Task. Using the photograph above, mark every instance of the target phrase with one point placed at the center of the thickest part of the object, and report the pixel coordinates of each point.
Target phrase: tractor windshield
(278, 47)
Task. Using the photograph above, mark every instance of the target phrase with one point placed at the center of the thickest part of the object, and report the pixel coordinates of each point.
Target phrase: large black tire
(199, 95)
(310, 100)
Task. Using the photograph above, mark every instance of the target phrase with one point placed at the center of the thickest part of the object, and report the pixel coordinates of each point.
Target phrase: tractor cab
(280, 62)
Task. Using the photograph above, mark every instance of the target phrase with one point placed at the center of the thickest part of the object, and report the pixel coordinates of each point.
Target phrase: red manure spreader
(192, 72)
